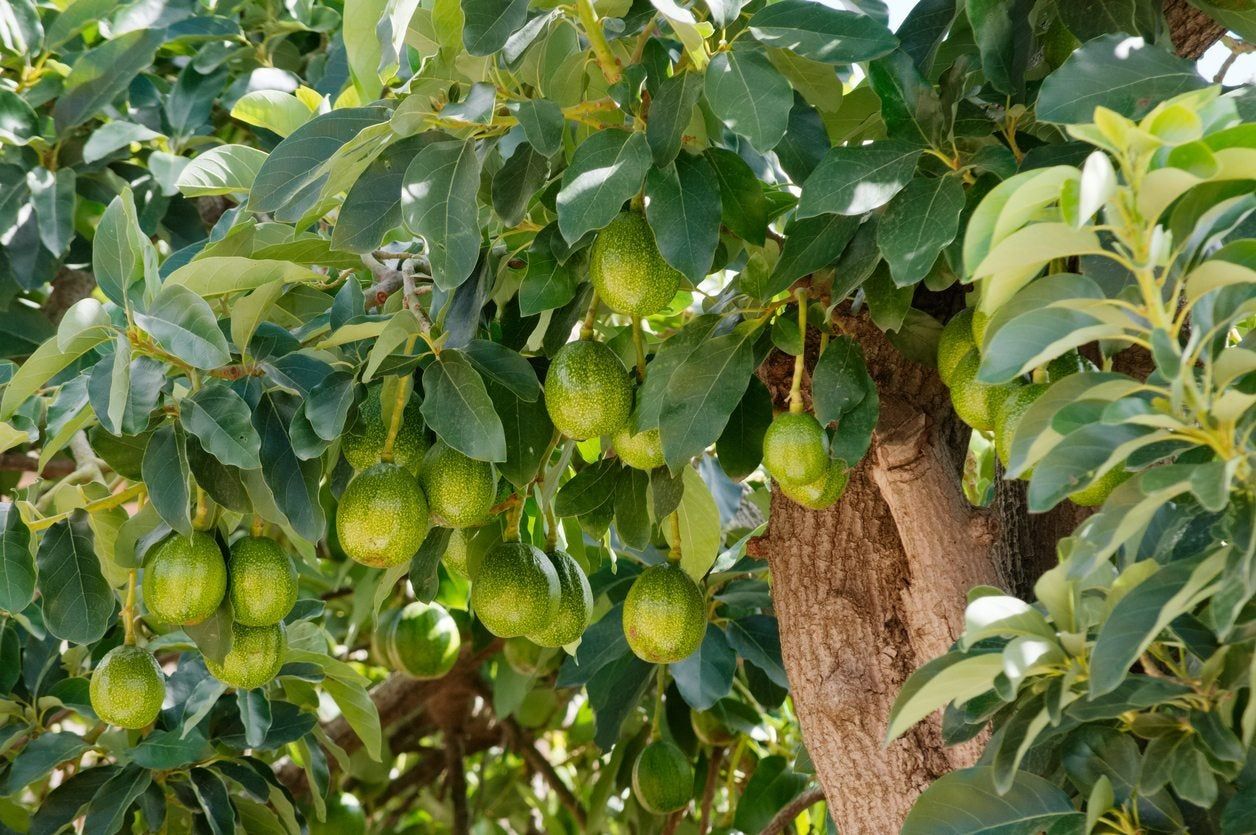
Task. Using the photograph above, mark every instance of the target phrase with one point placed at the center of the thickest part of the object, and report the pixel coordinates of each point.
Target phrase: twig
(525, 747)
(793, 809)
(457, 781)
(708, 790)
(673, 821)
(17, 462)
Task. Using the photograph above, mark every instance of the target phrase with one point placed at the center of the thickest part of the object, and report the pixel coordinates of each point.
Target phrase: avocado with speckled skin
(1098, 492)
(516, 590)
(382, 517)
(255, 656)
(975, 401)
(587, 391)
(575, 604)
(459, 490)
(795, 449)
(364, 441)
(127, 688)
(956, 341)
(185, 578)
(662, 778)
(628, 271)
(664, 615)
(824, 491)
(1008, 414)
(641, 451)
(263, 581)
(425, 640)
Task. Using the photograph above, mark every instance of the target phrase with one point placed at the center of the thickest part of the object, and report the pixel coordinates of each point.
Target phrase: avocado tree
(395, 393)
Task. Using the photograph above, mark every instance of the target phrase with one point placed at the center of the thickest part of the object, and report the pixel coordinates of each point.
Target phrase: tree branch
(17, 462)
(457, 781)
(793, 809)
(708, 791)
(525, 746)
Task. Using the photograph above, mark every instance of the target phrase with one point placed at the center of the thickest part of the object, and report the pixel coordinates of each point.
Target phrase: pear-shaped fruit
(795, 449)
(1098, 492)
(662, 778)
(425, 640)
(824, 491)
(263, 581)
(185, 578)
(516, 590)
(587, 391)
(575, 604)
(382, 517)
(628, 271)
(459, 490)
(127, 688)
(973, 400)
(1008, 414)
(664, 615)
(255, 656)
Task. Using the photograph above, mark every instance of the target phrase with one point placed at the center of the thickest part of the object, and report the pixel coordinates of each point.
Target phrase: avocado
(575, 604)
(587, 391)
(185, 578)
(516, 590)
(263, 581)
(127, 688)
(662, 778)
(795, 449)
(1098, 492)
(382, 517)
(425, 640)
(382, 648)
(956, 341)
(824, 491)
(628, 271)
(364, 441)
(1008, 414)
(255, 656)
(975, 401)
(642, 451)
(459, 490)
(664, 615)
(344, 817)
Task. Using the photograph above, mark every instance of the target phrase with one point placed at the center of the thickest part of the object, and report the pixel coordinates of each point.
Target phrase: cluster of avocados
(185, 579)
(999, 409)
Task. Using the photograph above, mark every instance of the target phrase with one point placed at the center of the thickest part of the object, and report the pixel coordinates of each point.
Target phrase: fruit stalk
(674, 553)
(514, 516)
(586, 327)
(638, 342)
(399, 407)
(795, 388)
(128, 610)
(597, 40)
(201, 517)
(656, 721)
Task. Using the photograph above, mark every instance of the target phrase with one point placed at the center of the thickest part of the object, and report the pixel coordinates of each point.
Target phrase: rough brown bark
(1191, 30)
(875, 586)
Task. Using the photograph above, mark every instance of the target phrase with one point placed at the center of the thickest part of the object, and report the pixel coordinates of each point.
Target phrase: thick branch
(68, 287)
(17, 462)
(1191, 30)
(457, 782)
(708, 790)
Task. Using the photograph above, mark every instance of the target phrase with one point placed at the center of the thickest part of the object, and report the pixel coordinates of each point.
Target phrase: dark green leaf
(457, 407)
(99, 75)
(772, 785)
(107, 812)
(165, 471)
(117, 248)
(966, 803)
(910, 106)
(748, 95)
(254, 714)
(840, 380)
(75, 597)
(917, 224)
(822, 33)
(212, 794)
(165, 750)
(743, 208)
(606, 170)
(548, 283)
(221, 420)
(613, 692)
(17, 565)
(373, 204)
(810, 244)
(589, 489)
(670, 112)
(706, 676)
(852, 180)
(542, 122)
(182, 323)
(488, 24)
(517, 181)
(40, 756)
(63, 804)
(293, 482)
(438, 202)
(1004, 35)
(498, 364)
(684, 212)
(757, 640)
(739, 449)
(52, 197)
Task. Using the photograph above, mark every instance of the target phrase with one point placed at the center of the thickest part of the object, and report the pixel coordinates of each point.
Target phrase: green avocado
(824, 491)
(664, 615)
(587, 391)
(975, 401)
(263, 581)
(344, 817)
(1098, 492)
(364, 441)
(642, 451)
(795, 449)
(255, 656)
(127, 688)
(382, 639)
(425, 640)
(382, 517)
(459, 490)
(956, 341)
(185, 578)
(628, 271)
(710, 729)
(575, 604)
(1008, 414)
(516, 590)
(662, 778)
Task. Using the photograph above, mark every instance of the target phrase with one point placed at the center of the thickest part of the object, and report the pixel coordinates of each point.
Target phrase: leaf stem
(514, 518)
(586, 327)
(128, 610)
(795, 388)
(597, 39)
(638, 342)
(107, 503)
(656, 721)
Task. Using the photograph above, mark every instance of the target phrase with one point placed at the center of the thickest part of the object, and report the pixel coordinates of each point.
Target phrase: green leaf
(917, 224)
(227, 169)
(839, 381)
(542, 122)
(757, 639)
(548, 283)
(822, 33)
(498, 364)
(372, 205)
(113, 136)
(854, 180)
(1004, 36)
(293, 483)
(700, 534)
(457, 407)
(438, 202)
(528, 430)
(1030, 248)
(1081, 457)
(810, 244)
(739, 449)
(107, 812)
(40, 756)
(606, 170)
(118, 248)
(966, 802)
(771, 787)
(182, 323)
(747, 94)
(215, 802)
(1146, 611)
(274, 110)
(953, 677)
(99, 75)
(222, 275)
(702, 392)
(487, 24)
(221, 420)
(75, 598)
(358, 710)
(614, 690)
(166, 750)
(670, 113)
(165, 471)
(684, 212)
(516, 183)
(17, 564)
(1117, 72)
(52, 197)
(910, 106)
(706, 676)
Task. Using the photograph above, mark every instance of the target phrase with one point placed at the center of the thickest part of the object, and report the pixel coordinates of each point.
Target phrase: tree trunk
(875, 586)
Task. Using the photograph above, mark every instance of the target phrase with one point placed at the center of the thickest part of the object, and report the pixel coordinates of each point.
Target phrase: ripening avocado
(662, 778)
(956, 341)
(587, 391)
(1008, 414)
(344, 817)
(263, 581)
(185, 578)
(973, 400)
(628, 271)
(575, 603)
(516, 590)
(664, 615)
(795, 449)
(127, 688)
(425, 640)
(459, 490)
(641, 451)
(255, 656)
(824, 491)
(1098, 492)
(382, 517)
(364, 441)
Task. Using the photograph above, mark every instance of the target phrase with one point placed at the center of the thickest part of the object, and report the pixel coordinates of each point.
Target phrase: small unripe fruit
(127, 688)
(662, 778)
(641, 451)
(255, 656)
(516, 590)
(263, 581)
(587, 391)
(425, 640)
(382, 517)
(664, 615)
(795, 449)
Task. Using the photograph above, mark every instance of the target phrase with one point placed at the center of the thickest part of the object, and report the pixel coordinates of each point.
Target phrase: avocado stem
(674, 553)
(795, 388)
(638, 342)
(258, 526)
(514, 517)
(656, 721)
(400, 401)
(586, 328)
(128, 610)
(201, 519)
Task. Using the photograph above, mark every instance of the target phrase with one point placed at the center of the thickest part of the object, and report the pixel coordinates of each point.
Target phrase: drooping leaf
(17, 563)
(438, 202)
(181, 322)
(684, 212)
(606, 170)
(917, 224)
(967, 802)
(457, 407)
(75, 597)
(221, 420)
(165, 471)
(99, 75)
(856, 180)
